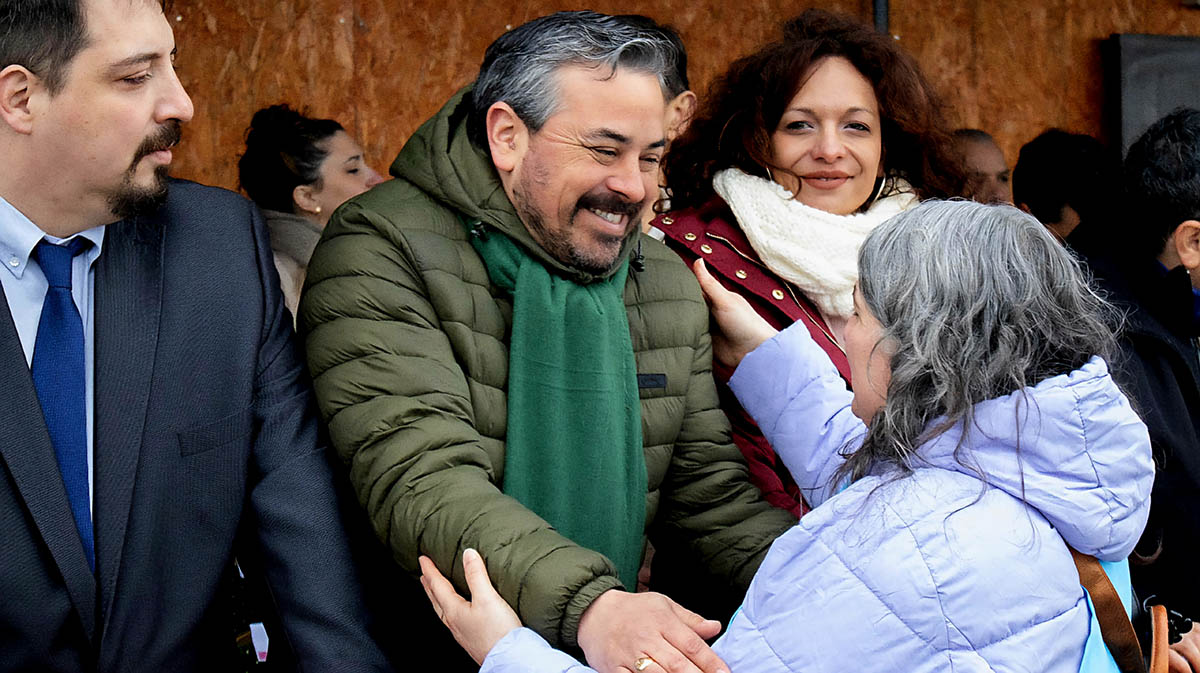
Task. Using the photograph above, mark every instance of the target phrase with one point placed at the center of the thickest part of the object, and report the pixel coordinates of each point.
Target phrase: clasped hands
(618, 630)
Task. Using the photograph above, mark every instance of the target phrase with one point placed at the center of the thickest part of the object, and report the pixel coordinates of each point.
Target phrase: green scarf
(573, 451)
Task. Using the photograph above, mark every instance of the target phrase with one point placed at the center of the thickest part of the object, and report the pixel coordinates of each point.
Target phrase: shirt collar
(19, 236)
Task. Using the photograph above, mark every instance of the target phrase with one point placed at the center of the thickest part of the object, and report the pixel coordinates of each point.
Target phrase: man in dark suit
(153, 409)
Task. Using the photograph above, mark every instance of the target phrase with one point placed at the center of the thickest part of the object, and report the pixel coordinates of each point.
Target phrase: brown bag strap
(1160, 650)
(1115, 627)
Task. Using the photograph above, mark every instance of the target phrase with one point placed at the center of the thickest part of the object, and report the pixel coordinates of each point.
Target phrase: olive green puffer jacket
(407, 343)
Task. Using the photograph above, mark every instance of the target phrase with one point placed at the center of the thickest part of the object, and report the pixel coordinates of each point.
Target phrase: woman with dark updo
(298, 170)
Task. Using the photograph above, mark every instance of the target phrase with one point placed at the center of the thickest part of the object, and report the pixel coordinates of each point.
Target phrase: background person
(798, 151)
(298, 170)
(947, 486)
(1071, 183)
(1156, 278)
(988, 177)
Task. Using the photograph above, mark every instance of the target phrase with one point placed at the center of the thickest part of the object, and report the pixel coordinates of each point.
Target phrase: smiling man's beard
(130, 199)
(558, 243)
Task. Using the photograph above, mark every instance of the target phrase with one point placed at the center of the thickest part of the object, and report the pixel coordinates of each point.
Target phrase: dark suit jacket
(204, 425)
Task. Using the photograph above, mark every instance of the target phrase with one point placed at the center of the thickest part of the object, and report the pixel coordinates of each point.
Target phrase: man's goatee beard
(129, 200)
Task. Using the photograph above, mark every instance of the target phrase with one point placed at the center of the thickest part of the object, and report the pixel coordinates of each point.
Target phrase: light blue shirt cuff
(524, 651)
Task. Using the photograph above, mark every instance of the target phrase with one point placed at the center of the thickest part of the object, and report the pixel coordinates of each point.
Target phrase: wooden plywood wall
(382, 67)
(1016, 68)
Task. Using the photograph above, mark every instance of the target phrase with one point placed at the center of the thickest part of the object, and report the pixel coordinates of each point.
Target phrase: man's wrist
(580, 603)
(583, 621)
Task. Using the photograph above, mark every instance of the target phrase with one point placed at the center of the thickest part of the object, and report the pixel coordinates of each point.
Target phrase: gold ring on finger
(642, 664)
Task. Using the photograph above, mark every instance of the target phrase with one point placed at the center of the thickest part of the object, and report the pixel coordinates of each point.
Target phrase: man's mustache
(610, 203)
(167, 136)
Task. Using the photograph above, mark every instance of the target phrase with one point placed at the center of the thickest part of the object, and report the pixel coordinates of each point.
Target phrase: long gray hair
(519, 67)
(976, 302)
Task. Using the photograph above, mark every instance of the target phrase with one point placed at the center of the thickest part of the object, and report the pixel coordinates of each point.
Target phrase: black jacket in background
(1160, 370)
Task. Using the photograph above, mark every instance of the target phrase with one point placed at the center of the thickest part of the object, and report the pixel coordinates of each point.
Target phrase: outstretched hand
(477, 624)
(627, 633)
(739, 328)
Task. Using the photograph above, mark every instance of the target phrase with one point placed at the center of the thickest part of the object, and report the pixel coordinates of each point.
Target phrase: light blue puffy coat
(940, 570)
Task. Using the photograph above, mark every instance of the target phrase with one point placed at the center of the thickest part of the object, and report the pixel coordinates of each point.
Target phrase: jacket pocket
(215, 434)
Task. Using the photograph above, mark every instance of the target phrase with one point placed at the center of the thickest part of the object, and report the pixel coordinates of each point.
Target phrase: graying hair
(520, 67)
(976, 302)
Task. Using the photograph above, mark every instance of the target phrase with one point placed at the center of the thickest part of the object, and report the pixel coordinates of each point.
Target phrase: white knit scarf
(815, 250)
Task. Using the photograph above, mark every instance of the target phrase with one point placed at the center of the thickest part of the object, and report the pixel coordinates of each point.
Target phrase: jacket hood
(1072, 448)
(442, 161)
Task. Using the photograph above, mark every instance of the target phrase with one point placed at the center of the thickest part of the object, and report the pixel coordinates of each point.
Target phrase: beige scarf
(815, 250)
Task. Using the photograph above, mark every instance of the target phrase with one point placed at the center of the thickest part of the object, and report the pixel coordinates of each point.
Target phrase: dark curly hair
(742, 108)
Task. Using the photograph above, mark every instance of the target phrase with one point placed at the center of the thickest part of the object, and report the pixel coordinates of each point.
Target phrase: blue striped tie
(59, 376)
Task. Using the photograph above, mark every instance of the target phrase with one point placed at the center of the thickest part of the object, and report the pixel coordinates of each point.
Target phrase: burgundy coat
(711, 232)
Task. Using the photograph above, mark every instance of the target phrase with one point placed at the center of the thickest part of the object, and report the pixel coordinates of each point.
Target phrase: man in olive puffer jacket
(476, 410)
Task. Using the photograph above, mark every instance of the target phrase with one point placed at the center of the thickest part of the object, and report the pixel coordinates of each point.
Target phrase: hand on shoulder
(739, 329)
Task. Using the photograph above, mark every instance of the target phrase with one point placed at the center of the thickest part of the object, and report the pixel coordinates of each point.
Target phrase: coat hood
(442, 161)
(1072, 448)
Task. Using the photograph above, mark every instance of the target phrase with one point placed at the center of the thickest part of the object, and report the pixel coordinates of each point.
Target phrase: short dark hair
(676, 81)
(519, 67)
(44, 36)
(976, 135)
(1058, 169)
(743, 106)
(284, 149)
(1162, 181)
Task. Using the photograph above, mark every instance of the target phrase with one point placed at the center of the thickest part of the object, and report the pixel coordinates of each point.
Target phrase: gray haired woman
(983, 440)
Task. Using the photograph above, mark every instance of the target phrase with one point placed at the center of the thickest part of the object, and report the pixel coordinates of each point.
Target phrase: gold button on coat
(778, 294)
(740, 274)
(706, 248)
(667, 221)
(689, 236)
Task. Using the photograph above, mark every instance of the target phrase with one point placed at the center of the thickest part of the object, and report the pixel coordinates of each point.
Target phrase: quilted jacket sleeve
(798, 399)
(399, 409)
(713, 525)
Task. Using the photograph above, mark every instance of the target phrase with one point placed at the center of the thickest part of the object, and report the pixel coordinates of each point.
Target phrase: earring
(784, 193)
(317, 210)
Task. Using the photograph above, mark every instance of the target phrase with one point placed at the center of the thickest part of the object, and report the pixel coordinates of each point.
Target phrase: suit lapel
(128, 294)
(29, 455)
